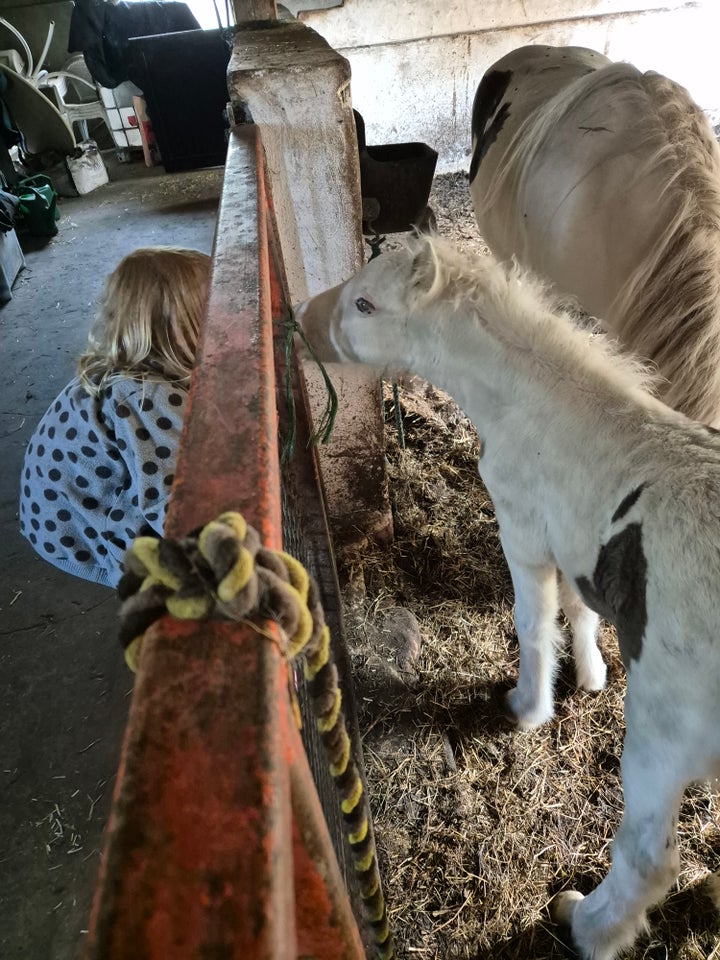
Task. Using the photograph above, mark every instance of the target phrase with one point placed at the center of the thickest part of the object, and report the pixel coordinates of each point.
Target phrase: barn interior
(65, 688)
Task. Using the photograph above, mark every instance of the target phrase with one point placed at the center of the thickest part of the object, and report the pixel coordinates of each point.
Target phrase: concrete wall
(415, 69)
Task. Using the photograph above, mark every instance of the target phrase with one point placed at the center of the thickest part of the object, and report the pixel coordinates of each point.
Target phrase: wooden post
(296, 88)
(254, 10)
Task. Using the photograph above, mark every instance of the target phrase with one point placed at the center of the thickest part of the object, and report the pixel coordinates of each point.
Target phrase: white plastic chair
(74, 111)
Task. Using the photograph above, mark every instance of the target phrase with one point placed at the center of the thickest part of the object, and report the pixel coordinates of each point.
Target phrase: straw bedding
(478, 825)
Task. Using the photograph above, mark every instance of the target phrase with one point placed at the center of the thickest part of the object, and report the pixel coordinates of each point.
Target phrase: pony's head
(367, 318)
(359, 319)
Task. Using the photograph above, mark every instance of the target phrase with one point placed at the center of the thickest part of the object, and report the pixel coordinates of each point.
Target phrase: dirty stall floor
(64, 689)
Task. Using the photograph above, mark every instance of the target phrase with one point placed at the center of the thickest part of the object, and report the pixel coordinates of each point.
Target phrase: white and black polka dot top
(97, 473)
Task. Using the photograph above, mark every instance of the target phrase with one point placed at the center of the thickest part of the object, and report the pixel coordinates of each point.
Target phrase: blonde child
(100, 464)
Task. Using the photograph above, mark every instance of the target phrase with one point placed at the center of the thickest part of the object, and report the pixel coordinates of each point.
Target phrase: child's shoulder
(145, 395)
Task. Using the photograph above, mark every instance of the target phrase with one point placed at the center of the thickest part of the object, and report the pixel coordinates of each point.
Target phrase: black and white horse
(606, 181)
(590, 476)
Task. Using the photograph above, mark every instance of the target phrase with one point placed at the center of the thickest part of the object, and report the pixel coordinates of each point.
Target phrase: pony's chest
(522, 474)
(524, 506)
(546, 508)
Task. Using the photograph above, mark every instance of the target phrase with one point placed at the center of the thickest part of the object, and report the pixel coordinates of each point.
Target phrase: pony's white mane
(516, 307)
(669, 310)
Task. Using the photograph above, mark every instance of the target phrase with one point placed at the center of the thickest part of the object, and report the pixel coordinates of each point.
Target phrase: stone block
(296, 88)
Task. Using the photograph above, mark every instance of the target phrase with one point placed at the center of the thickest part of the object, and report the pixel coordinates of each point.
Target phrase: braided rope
(221, 570)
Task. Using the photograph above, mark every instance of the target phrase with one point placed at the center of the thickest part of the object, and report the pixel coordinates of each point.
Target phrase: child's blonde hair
(148, 320)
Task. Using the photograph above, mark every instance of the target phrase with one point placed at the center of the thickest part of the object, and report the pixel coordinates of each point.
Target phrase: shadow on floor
(64, 689)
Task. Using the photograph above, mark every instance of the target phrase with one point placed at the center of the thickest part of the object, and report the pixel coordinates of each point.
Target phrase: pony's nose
(318, 307)
(315, 317)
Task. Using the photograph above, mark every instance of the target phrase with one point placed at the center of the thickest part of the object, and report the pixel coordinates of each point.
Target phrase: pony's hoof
(562, 907)
(592, 676)
(526, 716)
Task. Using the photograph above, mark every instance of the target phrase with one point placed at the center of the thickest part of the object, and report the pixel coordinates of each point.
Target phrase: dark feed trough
(395, 182)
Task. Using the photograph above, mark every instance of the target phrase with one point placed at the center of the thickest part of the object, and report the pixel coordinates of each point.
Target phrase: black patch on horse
(627, 502)
(618, 588)
(487, 99)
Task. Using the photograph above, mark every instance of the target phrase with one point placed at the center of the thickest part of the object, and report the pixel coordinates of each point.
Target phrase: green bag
(37, 212)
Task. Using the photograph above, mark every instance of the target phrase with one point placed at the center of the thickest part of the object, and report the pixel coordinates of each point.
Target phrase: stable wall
(416, 64)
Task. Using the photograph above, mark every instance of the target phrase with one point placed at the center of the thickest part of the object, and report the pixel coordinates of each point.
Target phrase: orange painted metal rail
(216, 847)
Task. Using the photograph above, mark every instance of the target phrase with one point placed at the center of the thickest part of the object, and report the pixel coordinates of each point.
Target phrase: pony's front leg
(536, 610)
(590, 669)
(645, 859)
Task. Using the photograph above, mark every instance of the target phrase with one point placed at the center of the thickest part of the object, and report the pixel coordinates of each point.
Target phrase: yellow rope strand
(222, 570)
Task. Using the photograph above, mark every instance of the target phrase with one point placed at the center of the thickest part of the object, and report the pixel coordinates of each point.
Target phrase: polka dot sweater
(97, 473)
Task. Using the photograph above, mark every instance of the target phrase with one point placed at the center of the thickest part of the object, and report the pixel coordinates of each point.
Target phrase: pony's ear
(423, 268)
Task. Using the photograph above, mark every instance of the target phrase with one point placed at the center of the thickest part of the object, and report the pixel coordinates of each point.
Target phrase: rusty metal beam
(198, 854)
(216, 846)
(229, 456)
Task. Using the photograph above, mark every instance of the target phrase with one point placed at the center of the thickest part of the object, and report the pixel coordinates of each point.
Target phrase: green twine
(327, 421)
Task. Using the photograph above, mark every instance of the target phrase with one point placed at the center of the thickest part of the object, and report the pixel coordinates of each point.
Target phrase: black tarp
(100, 31)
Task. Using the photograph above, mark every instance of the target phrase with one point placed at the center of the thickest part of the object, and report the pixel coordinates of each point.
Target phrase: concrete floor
(64, 688)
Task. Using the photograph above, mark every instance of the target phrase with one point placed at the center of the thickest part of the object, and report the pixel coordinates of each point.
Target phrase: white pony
(593, 476)
(606, 181)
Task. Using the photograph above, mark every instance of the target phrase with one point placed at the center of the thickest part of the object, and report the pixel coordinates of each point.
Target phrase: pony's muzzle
(315, 318)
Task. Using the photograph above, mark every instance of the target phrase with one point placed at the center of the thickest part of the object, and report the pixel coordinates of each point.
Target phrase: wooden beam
(254, 10)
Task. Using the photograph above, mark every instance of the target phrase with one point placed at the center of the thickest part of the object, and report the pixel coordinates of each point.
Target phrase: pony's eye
(364, 306)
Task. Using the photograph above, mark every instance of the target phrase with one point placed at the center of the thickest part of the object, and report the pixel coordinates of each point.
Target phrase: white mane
(524, 312)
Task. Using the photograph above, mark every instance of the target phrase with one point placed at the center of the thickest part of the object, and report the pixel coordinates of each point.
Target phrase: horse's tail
(669, 309)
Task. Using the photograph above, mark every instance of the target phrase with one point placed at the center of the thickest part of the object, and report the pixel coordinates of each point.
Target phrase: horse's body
(606, 181)
(592, 476)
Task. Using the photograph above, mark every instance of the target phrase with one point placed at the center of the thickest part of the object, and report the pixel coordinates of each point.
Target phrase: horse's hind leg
(590, 669)
(536, 609)
(645, 860)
